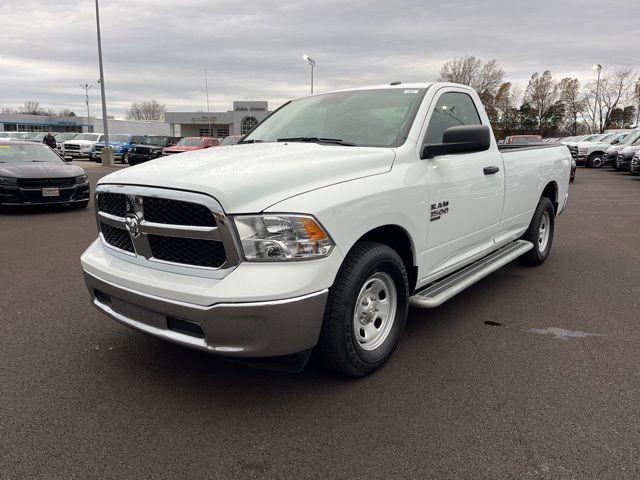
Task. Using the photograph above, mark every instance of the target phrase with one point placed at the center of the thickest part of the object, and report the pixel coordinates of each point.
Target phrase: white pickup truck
(321, 227)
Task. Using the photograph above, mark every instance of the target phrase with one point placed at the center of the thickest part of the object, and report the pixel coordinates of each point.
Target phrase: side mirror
(462, 139)
(616, 141)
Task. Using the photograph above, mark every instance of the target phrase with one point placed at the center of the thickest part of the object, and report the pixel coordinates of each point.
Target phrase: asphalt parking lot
(548, 389)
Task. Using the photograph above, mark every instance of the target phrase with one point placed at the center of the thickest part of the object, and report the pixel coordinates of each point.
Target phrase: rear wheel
(366, 310)
(540, 233)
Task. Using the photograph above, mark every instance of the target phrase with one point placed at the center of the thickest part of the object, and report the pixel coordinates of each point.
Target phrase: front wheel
(540, 233)
(596, 160)
(366, 310)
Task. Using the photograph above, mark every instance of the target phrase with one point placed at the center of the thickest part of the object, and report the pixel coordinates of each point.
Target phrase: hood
(111, 142)
(249, 178)
(79, 142)
(629, 149)
(39, 170)
(184, 148)
(593, 144)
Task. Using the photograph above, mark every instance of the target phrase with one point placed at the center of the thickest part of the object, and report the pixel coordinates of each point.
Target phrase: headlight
(81, 178)
(8, 181)
(282, 237)
(582, 150)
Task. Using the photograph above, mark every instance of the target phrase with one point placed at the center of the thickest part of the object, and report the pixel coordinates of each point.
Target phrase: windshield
(376, 118)
(229, 141)
(191, 142)
(26, 153)
(525, 140)
(63, 137)
(632, 139)
(40, 136)
(118, 138)
(608, 138)
(4, 134)
(93, 137)
(156, 141)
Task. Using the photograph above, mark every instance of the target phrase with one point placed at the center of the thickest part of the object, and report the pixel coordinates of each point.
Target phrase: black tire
(596, 160)
(338, 348)
(80, 204)
(538, 255)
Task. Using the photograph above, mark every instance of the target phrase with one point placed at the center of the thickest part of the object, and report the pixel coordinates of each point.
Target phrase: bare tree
(472, 71)
(506, 101)
(66, 113)
(541, 94)
(7, 110)
(613, 90)
(569, 91)
(31, 107)
(146, 110)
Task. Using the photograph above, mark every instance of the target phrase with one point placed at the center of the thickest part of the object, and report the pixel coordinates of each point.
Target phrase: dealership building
(18, 122)
(244, 116)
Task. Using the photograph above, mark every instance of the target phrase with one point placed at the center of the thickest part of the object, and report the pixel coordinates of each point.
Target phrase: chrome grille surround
(143, 254)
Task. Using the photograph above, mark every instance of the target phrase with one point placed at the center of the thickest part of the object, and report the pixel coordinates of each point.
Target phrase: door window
(452, 109)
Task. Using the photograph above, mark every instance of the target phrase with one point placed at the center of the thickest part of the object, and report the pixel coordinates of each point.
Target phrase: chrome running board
(445, 288)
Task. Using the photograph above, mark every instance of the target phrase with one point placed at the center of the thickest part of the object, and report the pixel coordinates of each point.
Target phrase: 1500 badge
(438, 210)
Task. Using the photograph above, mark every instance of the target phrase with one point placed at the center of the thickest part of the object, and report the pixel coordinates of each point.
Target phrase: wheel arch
(397, 238)
(551, 192)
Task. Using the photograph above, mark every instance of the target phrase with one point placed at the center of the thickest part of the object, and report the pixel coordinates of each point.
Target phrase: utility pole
(206, 87)
(107, 152)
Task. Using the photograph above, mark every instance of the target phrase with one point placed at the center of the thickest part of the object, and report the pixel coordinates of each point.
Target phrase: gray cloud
(252, 50)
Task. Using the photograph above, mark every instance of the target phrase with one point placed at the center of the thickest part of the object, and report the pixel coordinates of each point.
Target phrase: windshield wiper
(251, 141)
(336, 141)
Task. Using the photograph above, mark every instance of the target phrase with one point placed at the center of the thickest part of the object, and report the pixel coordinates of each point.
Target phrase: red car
(191, 143)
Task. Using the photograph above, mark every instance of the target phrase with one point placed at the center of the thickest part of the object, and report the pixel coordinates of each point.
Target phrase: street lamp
(87, 87)
(312, 62)
(598, 68)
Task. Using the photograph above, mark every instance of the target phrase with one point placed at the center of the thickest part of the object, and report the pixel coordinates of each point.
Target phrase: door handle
(490, 170)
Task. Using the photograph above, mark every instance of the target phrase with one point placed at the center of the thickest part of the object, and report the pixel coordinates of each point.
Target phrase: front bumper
(15, 195)
(610, 158)
(623, 163)
(581, 159)
(76, 153)
(246, 329)
(635, 166)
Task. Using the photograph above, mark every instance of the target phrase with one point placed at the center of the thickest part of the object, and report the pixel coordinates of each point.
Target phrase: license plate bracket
(50, 192)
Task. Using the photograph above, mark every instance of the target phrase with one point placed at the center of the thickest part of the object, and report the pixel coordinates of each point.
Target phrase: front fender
(351, 209)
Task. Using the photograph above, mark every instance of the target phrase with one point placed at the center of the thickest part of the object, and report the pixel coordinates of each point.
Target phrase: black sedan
(33, 174)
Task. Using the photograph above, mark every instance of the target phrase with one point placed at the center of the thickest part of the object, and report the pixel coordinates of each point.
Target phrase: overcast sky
(253, 50)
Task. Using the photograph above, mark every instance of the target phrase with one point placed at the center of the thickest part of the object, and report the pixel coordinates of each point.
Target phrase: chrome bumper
(256, 329)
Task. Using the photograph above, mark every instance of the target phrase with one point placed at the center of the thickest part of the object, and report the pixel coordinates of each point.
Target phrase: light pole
(312, 62)
(107, 152)
(598, 68)
(87, 87)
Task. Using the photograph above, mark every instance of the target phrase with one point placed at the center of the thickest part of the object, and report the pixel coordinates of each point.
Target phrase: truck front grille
(117, 237)
(114, 204)
(166, 228)
(188, 251)
(574, 151)
(71, 146)
(47, 182)
(175, 212)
